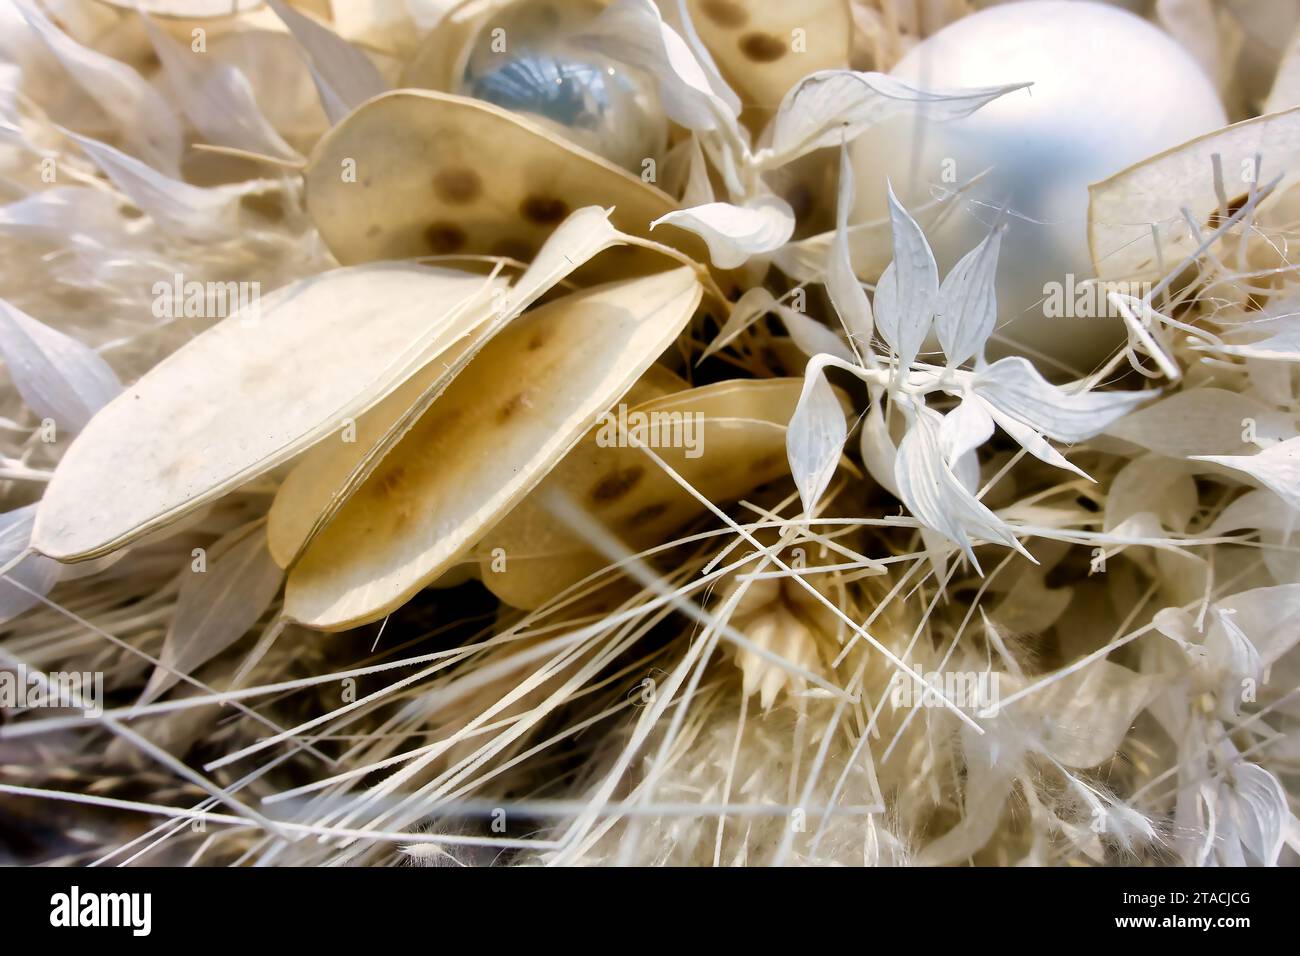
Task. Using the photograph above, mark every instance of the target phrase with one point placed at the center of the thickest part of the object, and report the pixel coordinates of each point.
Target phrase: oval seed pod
(504, 421)
(736, 445)
(248, 394)
(329, 473)
(416, 173)
(764, 48)
(318, 481)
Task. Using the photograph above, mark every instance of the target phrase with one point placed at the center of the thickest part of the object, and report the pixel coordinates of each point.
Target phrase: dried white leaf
(815, 438)
(217, 99)
(745, 311)
(964, 429)
(735, 234)
(1083, 718)
(145, 120)
(217, 606)
(35, 573)
(834, 106)
(879, 453)
(1266, 617)
(810, 336)
(1260, 810)
(1202, 421)
(935, 496)
(57, 376)
(1276, 468)
(193, 212)
(344, 76)
(62, 212)
(908, 290)
(698, 190)
(1014, 386)
(1280, 341)
(967, 307)
(846, 292)
(1031, 440)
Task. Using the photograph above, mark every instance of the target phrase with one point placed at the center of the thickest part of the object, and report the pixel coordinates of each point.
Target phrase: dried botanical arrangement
(692, 432)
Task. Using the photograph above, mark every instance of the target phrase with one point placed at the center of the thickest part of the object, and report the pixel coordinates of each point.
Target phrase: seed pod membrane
(741, 446)
(416, 173)
(765, 48)
(247, 395)
(502, 424)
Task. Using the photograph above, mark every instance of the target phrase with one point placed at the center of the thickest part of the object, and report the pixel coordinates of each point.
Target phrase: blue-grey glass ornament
(525, 62)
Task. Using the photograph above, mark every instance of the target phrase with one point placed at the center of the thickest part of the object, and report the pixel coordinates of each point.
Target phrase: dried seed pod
(740, 442)
(329, 473)
(247, 395)
(417, 173)
(502, 424)
(320, 481)
(765, 48)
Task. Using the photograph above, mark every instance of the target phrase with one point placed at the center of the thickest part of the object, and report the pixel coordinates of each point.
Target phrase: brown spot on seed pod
(444, 238)
(391, 481)
(373, 231)
(543, 210)
(538, 339)
(457, 186)
(725, 13)
(511, 407)
(762, 47)
(647, 514)
(614, 486)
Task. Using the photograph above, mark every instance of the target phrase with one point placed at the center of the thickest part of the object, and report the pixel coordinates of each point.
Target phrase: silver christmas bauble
(1109, 89)
(525, 60)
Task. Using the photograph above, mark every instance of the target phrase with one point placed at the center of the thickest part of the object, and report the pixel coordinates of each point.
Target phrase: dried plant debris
(491, 433)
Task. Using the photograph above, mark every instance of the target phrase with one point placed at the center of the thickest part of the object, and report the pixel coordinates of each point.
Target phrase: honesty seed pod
(230, 405)
(724, 439)
(500, 426)
(417, 173)
(765, 48)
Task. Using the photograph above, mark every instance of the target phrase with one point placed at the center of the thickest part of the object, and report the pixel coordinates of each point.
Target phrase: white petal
(1276, 468)
(909, 288)
(1201, 421)
(1014, 386)
(35, 573)
(935, 497)
(57, 376)
(815, 438)
(145, 121)
(217, 99)
(834, 106)
(345, 77)
(734, 234)
(967, 307)
(846, 292)
(217, 606)
(193, 212)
